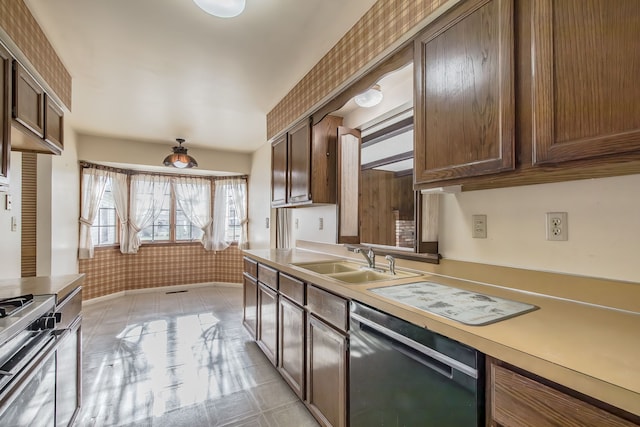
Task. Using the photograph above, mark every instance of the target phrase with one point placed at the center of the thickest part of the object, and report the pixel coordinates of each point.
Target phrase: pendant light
(221, 8)
(180, 158)
(369, 98)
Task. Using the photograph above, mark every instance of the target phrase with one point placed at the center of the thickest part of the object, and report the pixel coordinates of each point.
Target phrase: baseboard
(160, 289)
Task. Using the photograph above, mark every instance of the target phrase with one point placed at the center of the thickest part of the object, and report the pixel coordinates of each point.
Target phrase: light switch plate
(479, 226)
(7, 202)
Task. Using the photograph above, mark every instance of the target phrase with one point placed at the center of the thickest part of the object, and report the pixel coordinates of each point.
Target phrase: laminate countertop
(60, 286)
(585, 334)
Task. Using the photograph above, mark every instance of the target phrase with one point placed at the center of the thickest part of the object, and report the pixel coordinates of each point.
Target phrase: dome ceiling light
(221, 8)
(180, 158)
(369, 98)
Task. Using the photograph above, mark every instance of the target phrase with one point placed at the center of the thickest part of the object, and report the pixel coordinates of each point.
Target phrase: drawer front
(330, 307)
(250, 267)
(292, 288)
(518, 401)
(268, 276)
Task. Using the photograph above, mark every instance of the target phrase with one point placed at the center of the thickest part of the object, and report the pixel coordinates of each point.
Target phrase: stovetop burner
(8, 306)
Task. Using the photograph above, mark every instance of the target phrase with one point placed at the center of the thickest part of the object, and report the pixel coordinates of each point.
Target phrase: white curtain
(120, 191)
(146, 199)
(219, 222)
(194, 198)
(94, 182)
(238, 188)
(283, 228)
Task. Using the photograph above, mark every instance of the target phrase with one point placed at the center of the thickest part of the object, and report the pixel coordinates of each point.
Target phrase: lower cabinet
(68, 384)
(326, 373)
(250, 305)
(267, 334)
(291, 344)
(517, 399)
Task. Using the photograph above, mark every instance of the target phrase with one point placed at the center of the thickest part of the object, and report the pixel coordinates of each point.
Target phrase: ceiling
(154, 70)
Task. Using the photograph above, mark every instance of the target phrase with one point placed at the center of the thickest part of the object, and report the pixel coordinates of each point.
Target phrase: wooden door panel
(291, 345)
(464, 119)
(279, 171)
(54, 125)
(299, 146)
(250, 304)
(5, 115)
(28, 101)
(585, 66)
(267, 336)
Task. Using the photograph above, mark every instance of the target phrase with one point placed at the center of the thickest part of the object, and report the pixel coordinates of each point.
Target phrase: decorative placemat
(470, 308)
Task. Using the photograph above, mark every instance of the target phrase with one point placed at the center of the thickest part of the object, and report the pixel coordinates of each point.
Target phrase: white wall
(44, 187)
(261, 237)
(308, 224)
(604, 227)
(121, 150)
(65, 207)
(10, 240)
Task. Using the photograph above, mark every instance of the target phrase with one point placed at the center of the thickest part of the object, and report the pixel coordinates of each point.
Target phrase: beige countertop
(585, 334)
(60, 286)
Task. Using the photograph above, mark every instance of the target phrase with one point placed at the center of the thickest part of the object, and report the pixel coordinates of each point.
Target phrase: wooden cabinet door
(5, 115)
(54, 125)
(299, 155)
(349, 141)
(464, 113)
(279, 171)
(267, 336)
(250, 304)
(291, 332)
(28, 101)
(585, 67)
(326, 373)
(519, 401)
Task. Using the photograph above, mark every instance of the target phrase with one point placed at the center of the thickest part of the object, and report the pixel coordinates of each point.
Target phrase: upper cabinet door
(464, 118)
(299, 146)
(5, 115)
(279, 171)
(54, 125)
(585, 64)
(28, 101)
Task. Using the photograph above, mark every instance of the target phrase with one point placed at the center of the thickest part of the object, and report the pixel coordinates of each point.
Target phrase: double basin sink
(352, 272)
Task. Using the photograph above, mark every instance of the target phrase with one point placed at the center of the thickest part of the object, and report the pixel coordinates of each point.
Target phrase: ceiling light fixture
(180, 158)
(221, 8)
(369, 98)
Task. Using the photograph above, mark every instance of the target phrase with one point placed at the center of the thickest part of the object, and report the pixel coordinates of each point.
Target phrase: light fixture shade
(369, 98)
(180, 158)
(221, 8)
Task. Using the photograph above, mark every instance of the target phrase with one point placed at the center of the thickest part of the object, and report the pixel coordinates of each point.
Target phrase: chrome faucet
(370, 256)
(392, 264)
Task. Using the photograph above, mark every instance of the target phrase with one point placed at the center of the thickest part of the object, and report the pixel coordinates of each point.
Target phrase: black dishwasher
(405, 375)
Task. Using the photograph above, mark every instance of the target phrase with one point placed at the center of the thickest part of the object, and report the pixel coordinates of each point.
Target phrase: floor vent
(175, 292)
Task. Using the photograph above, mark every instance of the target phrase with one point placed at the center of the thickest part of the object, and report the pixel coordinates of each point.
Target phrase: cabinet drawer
(268, 276)
(250, 267)
(518, 401)
(330, 307)
(292, 288)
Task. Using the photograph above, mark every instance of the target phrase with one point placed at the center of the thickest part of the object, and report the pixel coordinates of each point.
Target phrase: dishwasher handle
(429, 357)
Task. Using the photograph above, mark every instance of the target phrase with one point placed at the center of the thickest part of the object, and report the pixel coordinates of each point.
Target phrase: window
(232, 231)
(185, 229)
(103, 230)
(160, 229)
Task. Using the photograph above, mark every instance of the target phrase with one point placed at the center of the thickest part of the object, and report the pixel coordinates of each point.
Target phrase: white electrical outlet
(266, 222)
(557, 226)
(297, 223)
(479, 226)
(320, 223)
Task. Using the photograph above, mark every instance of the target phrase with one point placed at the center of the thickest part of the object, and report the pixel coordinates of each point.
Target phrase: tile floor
(179, 359)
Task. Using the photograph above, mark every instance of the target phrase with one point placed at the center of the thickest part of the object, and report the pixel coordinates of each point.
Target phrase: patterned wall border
(383, 25)
(20, 25)
(156, 266)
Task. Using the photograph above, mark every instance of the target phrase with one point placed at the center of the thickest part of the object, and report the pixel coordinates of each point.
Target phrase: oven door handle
(415, 347)
(28, 352)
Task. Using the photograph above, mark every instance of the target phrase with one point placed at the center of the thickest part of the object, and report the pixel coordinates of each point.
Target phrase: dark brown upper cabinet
(279, 171)
(299, 178)
(28, 101)
(585, 64)
(53, 124)
(464, 110)
(303, 164)
(5, 116)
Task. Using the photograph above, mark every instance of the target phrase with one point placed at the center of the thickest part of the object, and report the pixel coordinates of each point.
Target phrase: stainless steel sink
(352, 272)
(330, 267)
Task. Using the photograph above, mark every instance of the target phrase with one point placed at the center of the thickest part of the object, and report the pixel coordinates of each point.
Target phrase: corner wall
(10, 257)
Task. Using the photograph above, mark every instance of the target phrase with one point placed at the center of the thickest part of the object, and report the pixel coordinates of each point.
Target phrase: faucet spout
(369, 256)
